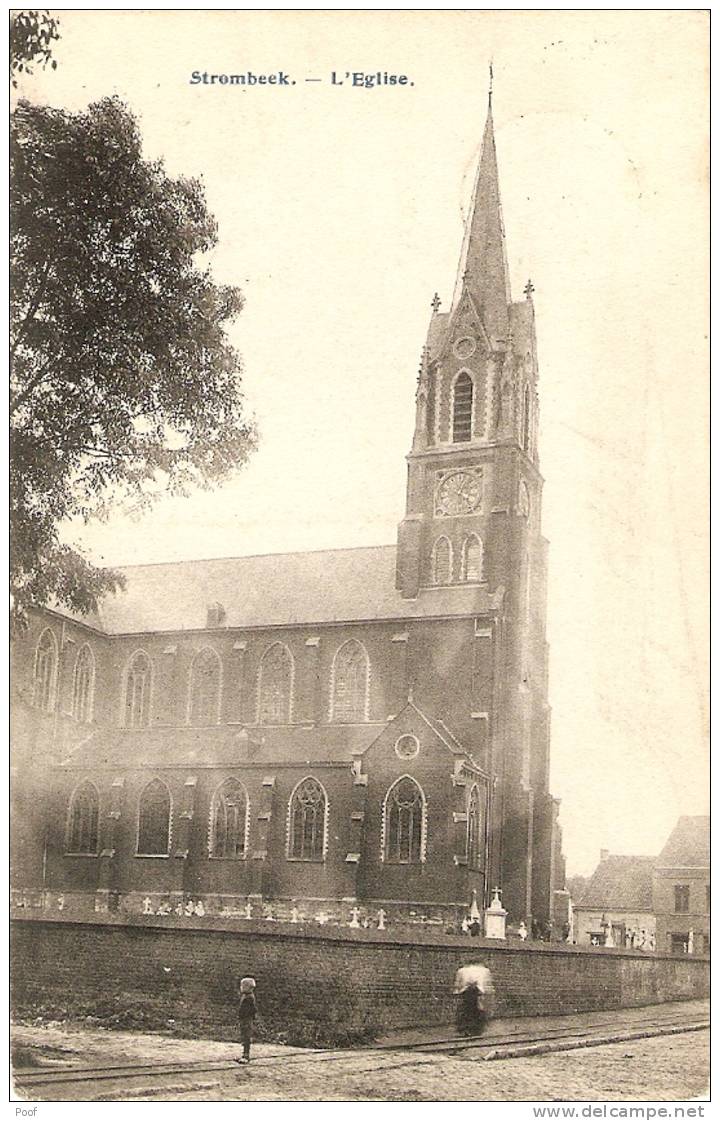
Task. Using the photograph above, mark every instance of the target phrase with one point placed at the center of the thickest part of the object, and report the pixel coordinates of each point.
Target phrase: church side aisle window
(404, 823)
(46, 661)
(350, 684)
(82, 833)
(205, 688)
(472, 567)
(275, 685)
(462, 409)
(442, 561)
(228, 821)
(475, 831)
(137, 692)
(154, 809)
(307, 821)
(83, 681)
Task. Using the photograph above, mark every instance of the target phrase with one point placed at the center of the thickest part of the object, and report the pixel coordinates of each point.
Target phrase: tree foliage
(123, 383)
(31, 36)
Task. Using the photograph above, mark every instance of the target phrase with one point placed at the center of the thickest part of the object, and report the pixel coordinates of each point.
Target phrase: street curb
(595, 1041)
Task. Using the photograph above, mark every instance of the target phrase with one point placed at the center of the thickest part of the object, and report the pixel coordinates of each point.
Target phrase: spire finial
(435, 302)
(529, 289)
(490, 85)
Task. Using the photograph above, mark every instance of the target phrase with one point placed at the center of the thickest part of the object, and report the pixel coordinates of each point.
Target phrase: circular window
(465, 347)
(407, 747)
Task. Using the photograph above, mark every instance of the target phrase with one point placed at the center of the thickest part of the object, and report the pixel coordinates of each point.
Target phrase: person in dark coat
(475, 992)
(247, 1010)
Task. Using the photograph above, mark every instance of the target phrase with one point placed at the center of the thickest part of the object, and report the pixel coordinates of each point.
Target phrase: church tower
(473, 518)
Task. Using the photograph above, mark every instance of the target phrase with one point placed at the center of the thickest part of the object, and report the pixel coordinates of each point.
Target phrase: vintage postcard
(359, 473)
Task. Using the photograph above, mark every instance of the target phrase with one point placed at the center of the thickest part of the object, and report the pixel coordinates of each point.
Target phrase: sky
(340, 212)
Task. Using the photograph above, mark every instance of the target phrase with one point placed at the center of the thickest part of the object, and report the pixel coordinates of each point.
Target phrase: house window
(404, 820)
(275, 686)
(82, 834)
(137, 692)
(205, 688)
(682, 899)
(462, 409)
(350, 684)
(472, 567)
(228, 821)
(442, 561)
(307, 821)
(154, 820)
(678, 943)
(83, 686)
(46, 662)
(475, 831)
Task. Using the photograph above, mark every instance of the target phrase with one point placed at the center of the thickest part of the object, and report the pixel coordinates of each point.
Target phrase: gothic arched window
(82, 832)
(275, 685)
(442, 562)
(462, 409)
(154, 809)
(137, 691)
(525, 435)
(229, 820)
(46, 666)
(472, 566)
(404, 823)
(475, 831)
(204, 688)
(83, 682)
(307, 821)
(350, 684)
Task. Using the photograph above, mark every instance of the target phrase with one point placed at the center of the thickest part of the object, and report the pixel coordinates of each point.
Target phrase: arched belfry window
(442, 561)
(404, 823)
(275, 685)
(82, 832)
(46, 667)
(205, 688)
(350, 680)
(154, 809)
(83, 682)
(475, 830)
(462, 409)
(137, 691)
(526, 419)
(472, 566)
(307, 821)
(229, 821)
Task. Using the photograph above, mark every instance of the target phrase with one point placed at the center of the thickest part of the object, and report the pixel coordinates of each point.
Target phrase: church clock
(458, 493)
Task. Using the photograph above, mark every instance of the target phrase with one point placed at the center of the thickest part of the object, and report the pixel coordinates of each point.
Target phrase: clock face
(459, 493)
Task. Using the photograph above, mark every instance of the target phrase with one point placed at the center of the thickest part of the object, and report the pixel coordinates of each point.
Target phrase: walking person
(247, 1010)
(475, 990)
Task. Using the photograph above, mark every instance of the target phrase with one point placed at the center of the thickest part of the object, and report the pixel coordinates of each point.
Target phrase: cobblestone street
(663, 1068)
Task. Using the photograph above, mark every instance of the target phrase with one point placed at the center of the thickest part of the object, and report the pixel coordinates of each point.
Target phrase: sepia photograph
(359, 557)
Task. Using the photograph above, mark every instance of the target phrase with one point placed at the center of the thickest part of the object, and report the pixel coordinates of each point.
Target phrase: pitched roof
(688, 846)
(620, 883)
(278, 589)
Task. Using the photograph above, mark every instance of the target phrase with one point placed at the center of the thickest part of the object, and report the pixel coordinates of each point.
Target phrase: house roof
(620, 883)
(278, 589)
(688, 846)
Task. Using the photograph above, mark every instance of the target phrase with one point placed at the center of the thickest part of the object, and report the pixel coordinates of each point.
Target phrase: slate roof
(620, 883)
(278, 589)
(688, 846)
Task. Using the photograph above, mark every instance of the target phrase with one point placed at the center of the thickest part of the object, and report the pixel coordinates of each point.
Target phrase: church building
(312, 732)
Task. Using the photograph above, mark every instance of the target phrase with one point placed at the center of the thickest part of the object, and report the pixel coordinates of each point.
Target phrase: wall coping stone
(397, 938)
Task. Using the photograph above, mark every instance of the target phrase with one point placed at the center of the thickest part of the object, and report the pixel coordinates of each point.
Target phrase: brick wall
(333, 986)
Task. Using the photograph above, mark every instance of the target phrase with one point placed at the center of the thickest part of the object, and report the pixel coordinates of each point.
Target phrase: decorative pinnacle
(435, 302)
(467, 274)
(490, 85)
(529, 289)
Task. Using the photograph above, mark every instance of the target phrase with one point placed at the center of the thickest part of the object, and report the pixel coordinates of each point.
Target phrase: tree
(31, 34)
(123, 383)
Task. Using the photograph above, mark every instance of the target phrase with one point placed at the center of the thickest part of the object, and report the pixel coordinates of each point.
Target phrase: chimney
(604, 854)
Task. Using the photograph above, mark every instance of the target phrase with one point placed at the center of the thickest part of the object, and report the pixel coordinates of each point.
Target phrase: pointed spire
(483, 263)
